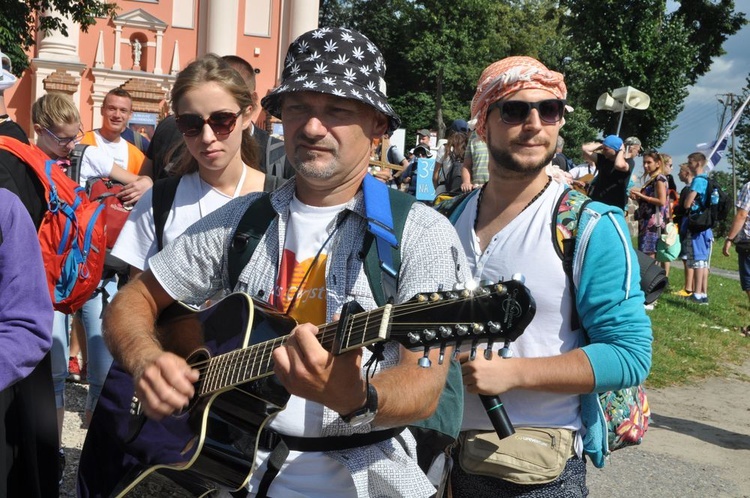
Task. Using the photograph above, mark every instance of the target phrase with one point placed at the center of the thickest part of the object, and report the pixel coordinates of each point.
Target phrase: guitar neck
(256, 361)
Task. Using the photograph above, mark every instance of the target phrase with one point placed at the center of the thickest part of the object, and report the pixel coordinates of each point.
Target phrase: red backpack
(72, 234)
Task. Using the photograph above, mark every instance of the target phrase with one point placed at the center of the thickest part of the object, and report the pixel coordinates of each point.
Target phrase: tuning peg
(445, 331)
(485, 283)
(505, 351)
(429, 334)
(519, 277)
(451, 295)
(494, 327)
(461, 329)
(477, 328)
(473, 352)
(501, 289)
(435, 297)
(488, 351)
(466, 293)
(414, 337)
(441, 356)
(425, 361)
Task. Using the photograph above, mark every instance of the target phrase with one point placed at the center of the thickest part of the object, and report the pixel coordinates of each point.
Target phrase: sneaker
(698, 300)
(74, 369)
(60, 466)
(683, 293)
(649, 307)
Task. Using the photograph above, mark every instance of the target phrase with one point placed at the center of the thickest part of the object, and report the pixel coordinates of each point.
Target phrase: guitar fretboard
(256, 361)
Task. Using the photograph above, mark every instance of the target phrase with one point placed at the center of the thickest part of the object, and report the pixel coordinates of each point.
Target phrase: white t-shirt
(306, 233)
(95, 162)
(137, 241)
(118, 151)
(525, 246)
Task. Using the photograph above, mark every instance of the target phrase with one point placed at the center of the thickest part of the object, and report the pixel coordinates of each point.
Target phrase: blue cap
(460, 125)
(613, 142)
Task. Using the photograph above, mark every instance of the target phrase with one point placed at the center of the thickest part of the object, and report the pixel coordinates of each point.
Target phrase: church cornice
(141, 19)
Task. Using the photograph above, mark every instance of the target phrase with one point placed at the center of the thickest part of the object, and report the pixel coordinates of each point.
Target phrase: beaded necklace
(537, 196)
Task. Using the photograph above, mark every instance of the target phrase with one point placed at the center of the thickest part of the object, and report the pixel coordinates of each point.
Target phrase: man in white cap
(506, 227)
(309, 264)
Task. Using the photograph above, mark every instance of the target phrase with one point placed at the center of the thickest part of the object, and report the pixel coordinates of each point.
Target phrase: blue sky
(700, 120)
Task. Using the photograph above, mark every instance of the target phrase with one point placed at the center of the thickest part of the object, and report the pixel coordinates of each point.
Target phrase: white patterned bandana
(335, 61)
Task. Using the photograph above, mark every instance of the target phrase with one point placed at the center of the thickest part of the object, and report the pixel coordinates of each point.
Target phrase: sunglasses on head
(515, 112)
(221, 123)
(65, 141)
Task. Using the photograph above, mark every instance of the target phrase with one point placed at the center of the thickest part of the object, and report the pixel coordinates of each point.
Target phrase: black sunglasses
(515, 112)
(221, 123)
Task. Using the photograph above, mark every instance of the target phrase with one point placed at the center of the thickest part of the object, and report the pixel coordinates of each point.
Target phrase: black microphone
(498, 416)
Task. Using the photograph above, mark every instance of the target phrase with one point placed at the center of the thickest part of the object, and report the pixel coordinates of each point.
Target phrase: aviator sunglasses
(221, 123)
(515, 112)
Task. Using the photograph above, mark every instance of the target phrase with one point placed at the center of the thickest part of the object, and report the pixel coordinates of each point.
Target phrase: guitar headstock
(492, 313)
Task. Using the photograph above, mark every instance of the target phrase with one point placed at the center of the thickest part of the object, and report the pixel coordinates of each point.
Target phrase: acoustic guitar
(211, 445)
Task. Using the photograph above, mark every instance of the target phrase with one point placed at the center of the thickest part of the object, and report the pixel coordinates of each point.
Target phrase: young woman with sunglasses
(653, 208)
(219, 162)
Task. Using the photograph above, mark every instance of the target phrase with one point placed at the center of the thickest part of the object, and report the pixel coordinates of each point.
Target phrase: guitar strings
(240, 358)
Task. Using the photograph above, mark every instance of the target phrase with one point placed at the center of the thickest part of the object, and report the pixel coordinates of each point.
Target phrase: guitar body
(215, 439)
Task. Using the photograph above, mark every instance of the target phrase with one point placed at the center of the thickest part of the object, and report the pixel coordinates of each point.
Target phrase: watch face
(367, 413)
(361, 418)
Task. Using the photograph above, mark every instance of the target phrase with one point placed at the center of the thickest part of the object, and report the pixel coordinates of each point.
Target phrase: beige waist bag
(530, 456)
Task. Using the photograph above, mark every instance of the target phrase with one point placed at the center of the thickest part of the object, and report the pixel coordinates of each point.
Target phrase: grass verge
(693, 341)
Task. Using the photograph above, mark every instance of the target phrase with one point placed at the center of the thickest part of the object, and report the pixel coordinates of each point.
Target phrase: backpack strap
(75, 157)
(162, 197)
(250, 230)
(568, 209)
(382, 265)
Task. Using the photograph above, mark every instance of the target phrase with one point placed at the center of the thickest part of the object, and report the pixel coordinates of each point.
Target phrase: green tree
(742, 141)
(20, 22)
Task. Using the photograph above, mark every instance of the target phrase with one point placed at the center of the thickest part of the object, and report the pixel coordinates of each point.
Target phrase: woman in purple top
(28, 429)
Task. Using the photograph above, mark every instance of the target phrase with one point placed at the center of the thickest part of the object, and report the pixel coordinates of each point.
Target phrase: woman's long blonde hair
(212, 68)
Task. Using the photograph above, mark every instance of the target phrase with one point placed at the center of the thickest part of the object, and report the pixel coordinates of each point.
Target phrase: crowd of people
(343, 431)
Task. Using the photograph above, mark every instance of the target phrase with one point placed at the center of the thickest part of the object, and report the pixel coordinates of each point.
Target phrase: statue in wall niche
(137, 51)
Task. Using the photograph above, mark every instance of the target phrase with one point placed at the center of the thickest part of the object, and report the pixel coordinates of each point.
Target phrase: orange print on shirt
(310, 303)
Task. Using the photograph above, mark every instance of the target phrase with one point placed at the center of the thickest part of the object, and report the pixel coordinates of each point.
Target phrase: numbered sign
(425, 188)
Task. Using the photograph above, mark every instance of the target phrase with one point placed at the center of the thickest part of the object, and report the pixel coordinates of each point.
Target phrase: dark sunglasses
(221, 123)
(515, 112)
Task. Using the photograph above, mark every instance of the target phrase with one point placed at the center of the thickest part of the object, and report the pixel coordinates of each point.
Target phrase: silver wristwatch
(367, 413)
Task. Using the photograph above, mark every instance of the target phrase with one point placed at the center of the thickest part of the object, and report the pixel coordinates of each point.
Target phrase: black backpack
(710, 213)
(450, 179)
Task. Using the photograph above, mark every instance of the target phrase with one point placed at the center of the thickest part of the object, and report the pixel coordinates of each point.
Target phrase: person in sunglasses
(547, 379)
(217, 162)
(613, 177)
(308, 264)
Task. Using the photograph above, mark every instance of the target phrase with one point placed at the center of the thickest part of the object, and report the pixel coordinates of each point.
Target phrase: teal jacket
(609, 301)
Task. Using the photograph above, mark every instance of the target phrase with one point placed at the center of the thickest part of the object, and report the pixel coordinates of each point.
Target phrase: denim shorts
(743, 261)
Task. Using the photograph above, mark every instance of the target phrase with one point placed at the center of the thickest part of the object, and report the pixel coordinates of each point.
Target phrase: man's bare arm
(164, 381)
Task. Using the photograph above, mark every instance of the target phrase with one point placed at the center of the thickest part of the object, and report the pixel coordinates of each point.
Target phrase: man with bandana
(309, 264)
(505, 228)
